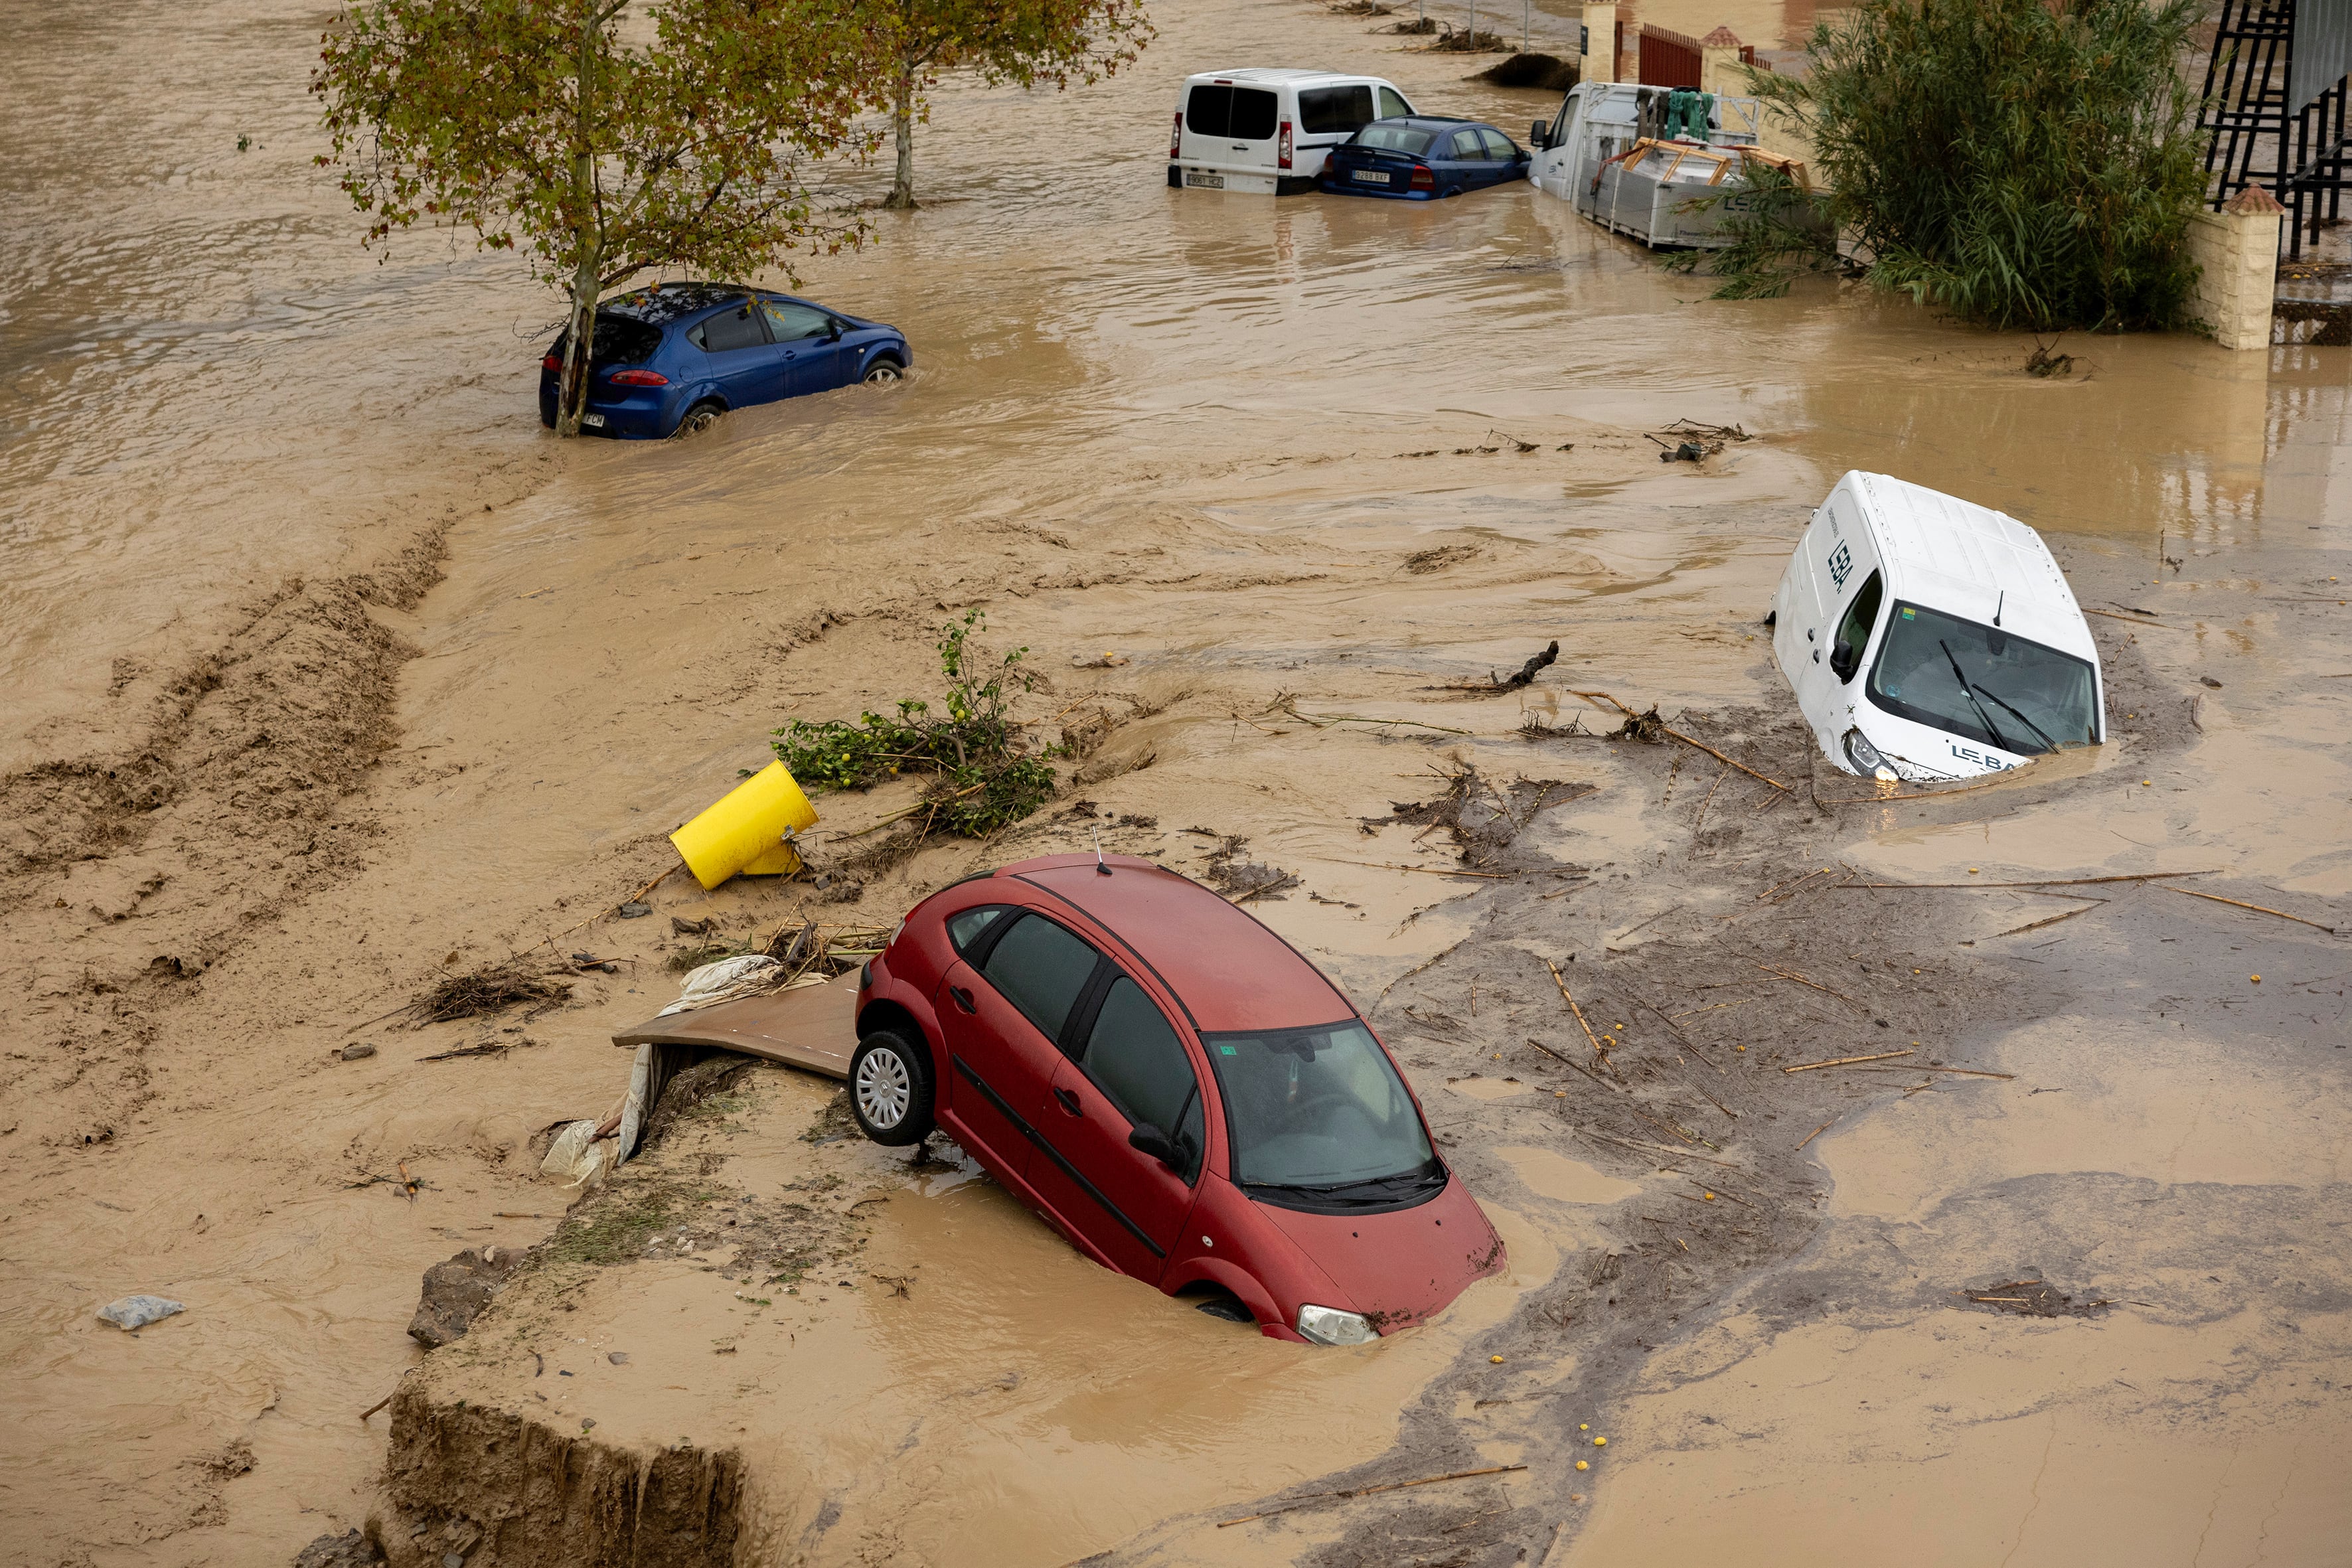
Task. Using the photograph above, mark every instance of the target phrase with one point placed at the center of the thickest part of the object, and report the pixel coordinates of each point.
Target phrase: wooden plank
(813, 1026)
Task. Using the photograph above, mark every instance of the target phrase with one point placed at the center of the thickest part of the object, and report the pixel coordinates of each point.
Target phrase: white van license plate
(1369, 176)
(1211, 182)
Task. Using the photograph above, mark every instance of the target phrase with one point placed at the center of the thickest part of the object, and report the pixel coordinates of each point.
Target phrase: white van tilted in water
(1268, 132)
(1927, 638)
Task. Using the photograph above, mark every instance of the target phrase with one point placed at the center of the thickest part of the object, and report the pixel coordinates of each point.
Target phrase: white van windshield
(1321, 1110)
(1395, 139)
(1980, 682)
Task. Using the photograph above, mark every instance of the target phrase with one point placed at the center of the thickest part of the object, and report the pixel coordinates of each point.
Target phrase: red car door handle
(1069, 1101)
(962, 998)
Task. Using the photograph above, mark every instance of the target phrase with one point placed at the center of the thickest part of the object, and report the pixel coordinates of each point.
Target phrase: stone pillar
(1599, 61)
(2236, 251)
(1719, 64)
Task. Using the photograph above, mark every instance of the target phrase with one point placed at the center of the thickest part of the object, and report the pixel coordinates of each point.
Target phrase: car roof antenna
(1997, 604)
(1100, 869)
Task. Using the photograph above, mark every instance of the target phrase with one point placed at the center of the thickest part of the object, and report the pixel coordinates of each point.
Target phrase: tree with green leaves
(603, 139)
(1030, 43)
(2019, 163)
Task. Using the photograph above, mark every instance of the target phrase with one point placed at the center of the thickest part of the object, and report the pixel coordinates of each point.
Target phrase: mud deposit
(328, 676)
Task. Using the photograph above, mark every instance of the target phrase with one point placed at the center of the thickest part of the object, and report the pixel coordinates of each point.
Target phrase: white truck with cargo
(1929, 638)
(1266, 132)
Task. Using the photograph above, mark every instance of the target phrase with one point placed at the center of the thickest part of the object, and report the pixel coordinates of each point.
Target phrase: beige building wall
(1598, 62)
(1720, 72)
(2237, 249)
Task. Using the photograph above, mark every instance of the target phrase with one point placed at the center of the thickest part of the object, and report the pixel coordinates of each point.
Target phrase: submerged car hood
(1401, 1268)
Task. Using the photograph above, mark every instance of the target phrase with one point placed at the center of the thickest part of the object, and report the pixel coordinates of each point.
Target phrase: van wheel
(884, 373)
(698, 418)
(890, 1090)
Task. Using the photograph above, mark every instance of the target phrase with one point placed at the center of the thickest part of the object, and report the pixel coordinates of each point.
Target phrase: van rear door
(1256, 112)
(1208, 119)
(1229, 134)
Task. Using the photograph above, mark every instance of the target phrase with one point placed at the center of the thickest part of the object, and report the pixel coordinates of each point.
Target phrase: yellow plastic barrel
(743, 834)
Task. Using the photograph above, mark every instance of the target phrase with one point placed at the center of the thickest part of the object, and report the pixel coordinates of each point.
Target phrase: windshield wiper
(1409, 1180)
(2029, 724)
(1969, 691)
(1324, 1194)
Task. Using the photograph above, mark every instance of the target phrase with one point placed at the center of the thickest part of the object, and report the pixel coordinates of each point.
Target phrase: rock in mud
(358, 1053)
(138, 1311)
(349, 1550)
(456, 1290)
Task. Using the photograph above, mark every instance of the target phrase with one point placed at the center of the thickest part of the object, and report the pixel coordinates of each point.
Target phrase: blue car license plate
(1369, 176)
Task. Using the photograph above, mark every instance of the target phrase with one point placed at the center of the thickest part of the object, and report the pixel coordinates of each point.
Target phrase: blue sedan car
(1421, 157)
(670, 359)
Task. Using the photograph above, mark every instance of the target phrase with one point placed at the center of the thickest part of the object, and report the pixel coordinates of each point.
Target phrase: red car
(1174, 1089)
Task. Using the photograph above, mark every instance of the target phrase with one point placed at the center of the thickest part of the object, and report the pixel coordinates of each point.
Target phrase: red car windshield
(1321, 1111)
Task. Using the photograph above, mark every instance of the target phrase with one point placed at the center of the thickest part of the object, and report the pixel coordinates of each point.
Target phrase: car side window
(1335, 110)
(734, 329)
(1498, 146)
(1254, 114)
(1853, 630)
(971, 930)
(1465, 145)
(1040, 968)
(1210, 111)
(789, 321)
(1393, 104)
(1135, 1058)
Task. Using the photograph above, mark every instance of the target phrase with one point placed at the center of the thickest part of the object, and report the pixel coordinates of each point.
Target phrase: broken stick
(2042, 882)
(1572, 1008)
(1685, 740)
(1847, 1061)
(2053, 920)
(2258, 909)
(1792, 974)
(1578, 1066)
(1424, 870)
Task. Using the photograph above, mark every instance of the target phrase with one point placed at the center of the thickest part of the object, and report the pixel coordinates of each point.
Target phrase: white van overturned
(1927, 638)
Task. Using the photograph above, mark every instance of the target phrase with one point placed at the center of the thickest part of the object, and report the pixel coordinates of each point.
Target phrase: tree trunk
(572, 388)
(902, 123)
(580, 339)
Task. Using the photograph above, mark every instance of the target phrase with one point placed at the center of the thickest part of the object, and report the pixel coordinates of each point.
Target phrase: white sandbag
(634, 1108)
(726, 981)
(138, 1311)
(575, 1156)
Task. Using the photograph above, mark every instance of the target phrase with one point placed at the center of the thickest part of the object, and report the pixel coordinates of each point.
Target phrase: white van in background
(1268, 130)
(1927, 638)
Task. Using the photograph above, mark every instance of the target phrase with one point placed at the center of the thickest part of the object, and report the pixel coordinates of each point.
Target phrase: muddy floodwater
(325, 670)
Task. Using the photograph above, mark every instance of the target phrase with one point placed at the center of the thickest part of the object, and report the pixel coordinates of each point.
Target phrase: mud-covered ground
(323, 690)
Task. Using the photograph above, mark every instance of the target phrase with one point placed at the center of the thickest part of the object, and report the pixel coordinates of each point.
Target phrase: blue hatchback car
(670, 359)
(1421, 157)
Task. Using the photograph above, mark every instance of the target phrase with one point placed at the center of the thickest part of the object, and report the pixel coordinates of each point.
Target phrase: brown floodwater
(1203, 432)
